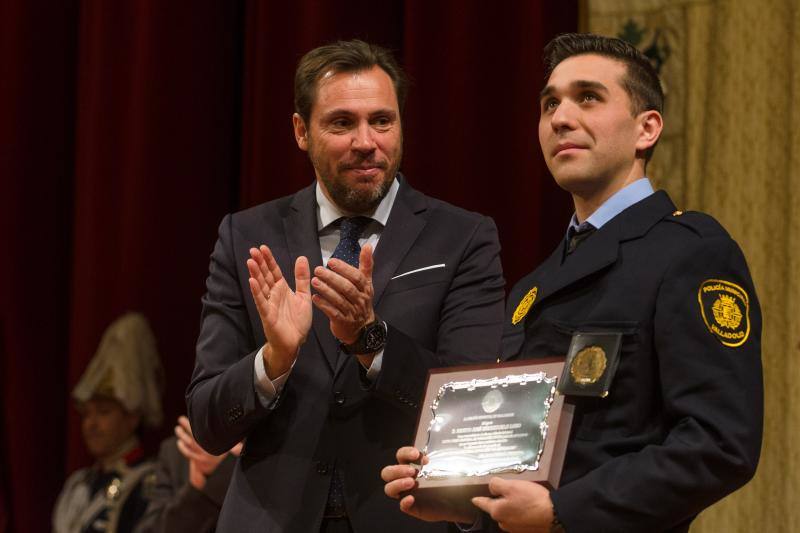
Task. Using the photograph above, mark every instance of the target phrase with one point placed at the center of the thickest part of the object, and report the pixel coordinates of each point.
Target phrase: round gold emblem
(588, 365)
(524, 306)
(726, 312)
(725, 308)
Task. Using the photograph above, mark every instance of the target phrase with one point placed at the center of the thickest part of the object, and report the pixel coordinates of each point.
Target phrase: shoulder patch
(524, 306)
(725, 308)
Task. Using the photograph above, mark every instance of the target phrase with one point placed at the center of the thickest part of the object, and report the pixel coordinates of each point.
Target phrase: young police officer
(680, 426)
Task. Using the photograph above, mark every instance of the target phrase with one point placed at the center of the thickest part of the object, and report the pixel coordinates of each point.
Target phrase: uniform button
(322, 468)
(339, 398)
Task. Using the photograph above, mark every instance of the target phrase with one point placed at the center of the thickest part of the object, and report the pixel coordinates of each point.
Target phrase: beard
(353, 200)
(356, 201)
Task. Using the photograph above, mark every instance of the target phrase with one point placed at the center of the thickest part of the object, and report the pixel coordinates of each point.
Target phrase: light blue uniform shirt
(619, 201)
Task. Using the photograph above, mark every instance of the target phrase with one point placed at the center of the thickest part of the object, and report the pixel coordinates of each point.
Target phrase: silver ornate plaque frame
(514, 446)
(460, 484)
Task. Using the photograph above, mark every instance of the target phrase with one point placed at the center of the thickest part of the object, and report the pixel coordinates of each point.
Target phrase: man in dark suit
(680, 426)
(324, 394)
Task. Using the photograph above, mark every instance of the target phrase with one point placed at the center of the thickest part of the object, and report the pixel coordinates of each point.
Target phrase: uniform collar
(616, 204)
(602, 249)
(128, 455)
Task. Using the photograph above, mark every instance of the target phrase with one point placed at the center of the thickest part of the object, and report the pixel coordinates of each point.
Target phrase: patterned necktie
(348, 248)
(348, 251)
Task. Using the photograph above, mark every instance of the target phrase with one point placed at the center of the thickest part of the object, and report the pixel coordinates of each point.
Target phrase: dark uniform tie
(348, 248)
(577, 236)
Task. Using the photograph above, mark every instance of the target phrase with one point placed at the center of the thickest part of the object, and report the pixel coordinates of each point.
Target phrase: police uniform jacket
(681, 425)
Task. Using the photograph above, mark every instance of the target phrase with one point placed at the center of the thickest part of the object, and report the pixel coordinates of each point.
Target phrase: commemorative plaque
(482, 421)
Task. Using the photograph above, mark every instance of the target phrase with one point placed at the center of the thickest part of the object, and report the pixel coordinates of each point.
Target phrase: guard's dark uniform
(681, 425)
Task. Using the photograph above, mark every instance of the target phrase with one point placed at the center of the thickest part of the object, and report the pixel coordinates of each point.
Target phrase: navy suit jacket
(327, 414)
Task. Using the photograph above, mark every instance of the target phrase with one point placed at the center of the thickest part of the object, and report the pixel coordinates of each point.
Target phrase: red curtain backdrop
(38, 53)
(128, 129)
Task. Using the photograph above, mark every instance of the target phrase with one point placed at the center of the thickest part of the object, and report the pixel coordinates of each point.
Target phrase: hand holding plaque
(516, 505)
(400, 479)
(490, 420)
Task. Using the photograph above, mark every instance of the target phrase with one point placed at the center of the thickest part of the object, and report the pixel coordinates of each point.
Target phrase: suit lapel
(594, 254)
(602, 249)
(402, 229)
(302, 238)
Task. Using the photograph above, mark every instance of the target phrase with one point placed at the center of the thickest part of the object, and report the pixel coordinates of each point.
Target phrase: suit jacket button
(322, 468)
(339, 398)
(234, 413)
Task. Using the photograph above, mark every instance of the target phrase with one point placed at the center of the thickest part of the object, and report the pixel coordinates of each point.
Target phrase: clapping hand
(285, 314)
(201, 463)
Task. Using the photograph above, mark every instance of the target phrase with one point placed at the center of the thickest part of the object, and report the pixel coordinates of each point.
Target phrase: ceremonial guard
(118, 395)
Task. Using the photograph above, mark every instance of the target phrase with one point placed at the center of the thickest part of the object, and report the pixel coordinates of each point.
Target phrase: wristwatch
(371, 339)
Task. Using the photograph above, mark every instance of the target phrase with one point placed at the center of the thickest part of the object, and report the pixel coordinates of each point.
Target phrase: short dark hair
(343, 56)
(641, 80)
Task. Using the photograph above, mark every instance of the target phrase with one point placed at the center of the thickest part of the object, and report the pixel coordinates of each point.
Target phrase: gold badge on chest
(524, 306)
(591, 363)
(588, 365)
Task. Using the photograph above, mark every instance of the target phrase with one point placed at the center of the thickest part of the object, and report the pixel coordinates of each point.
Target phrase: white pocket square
(441, 265)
